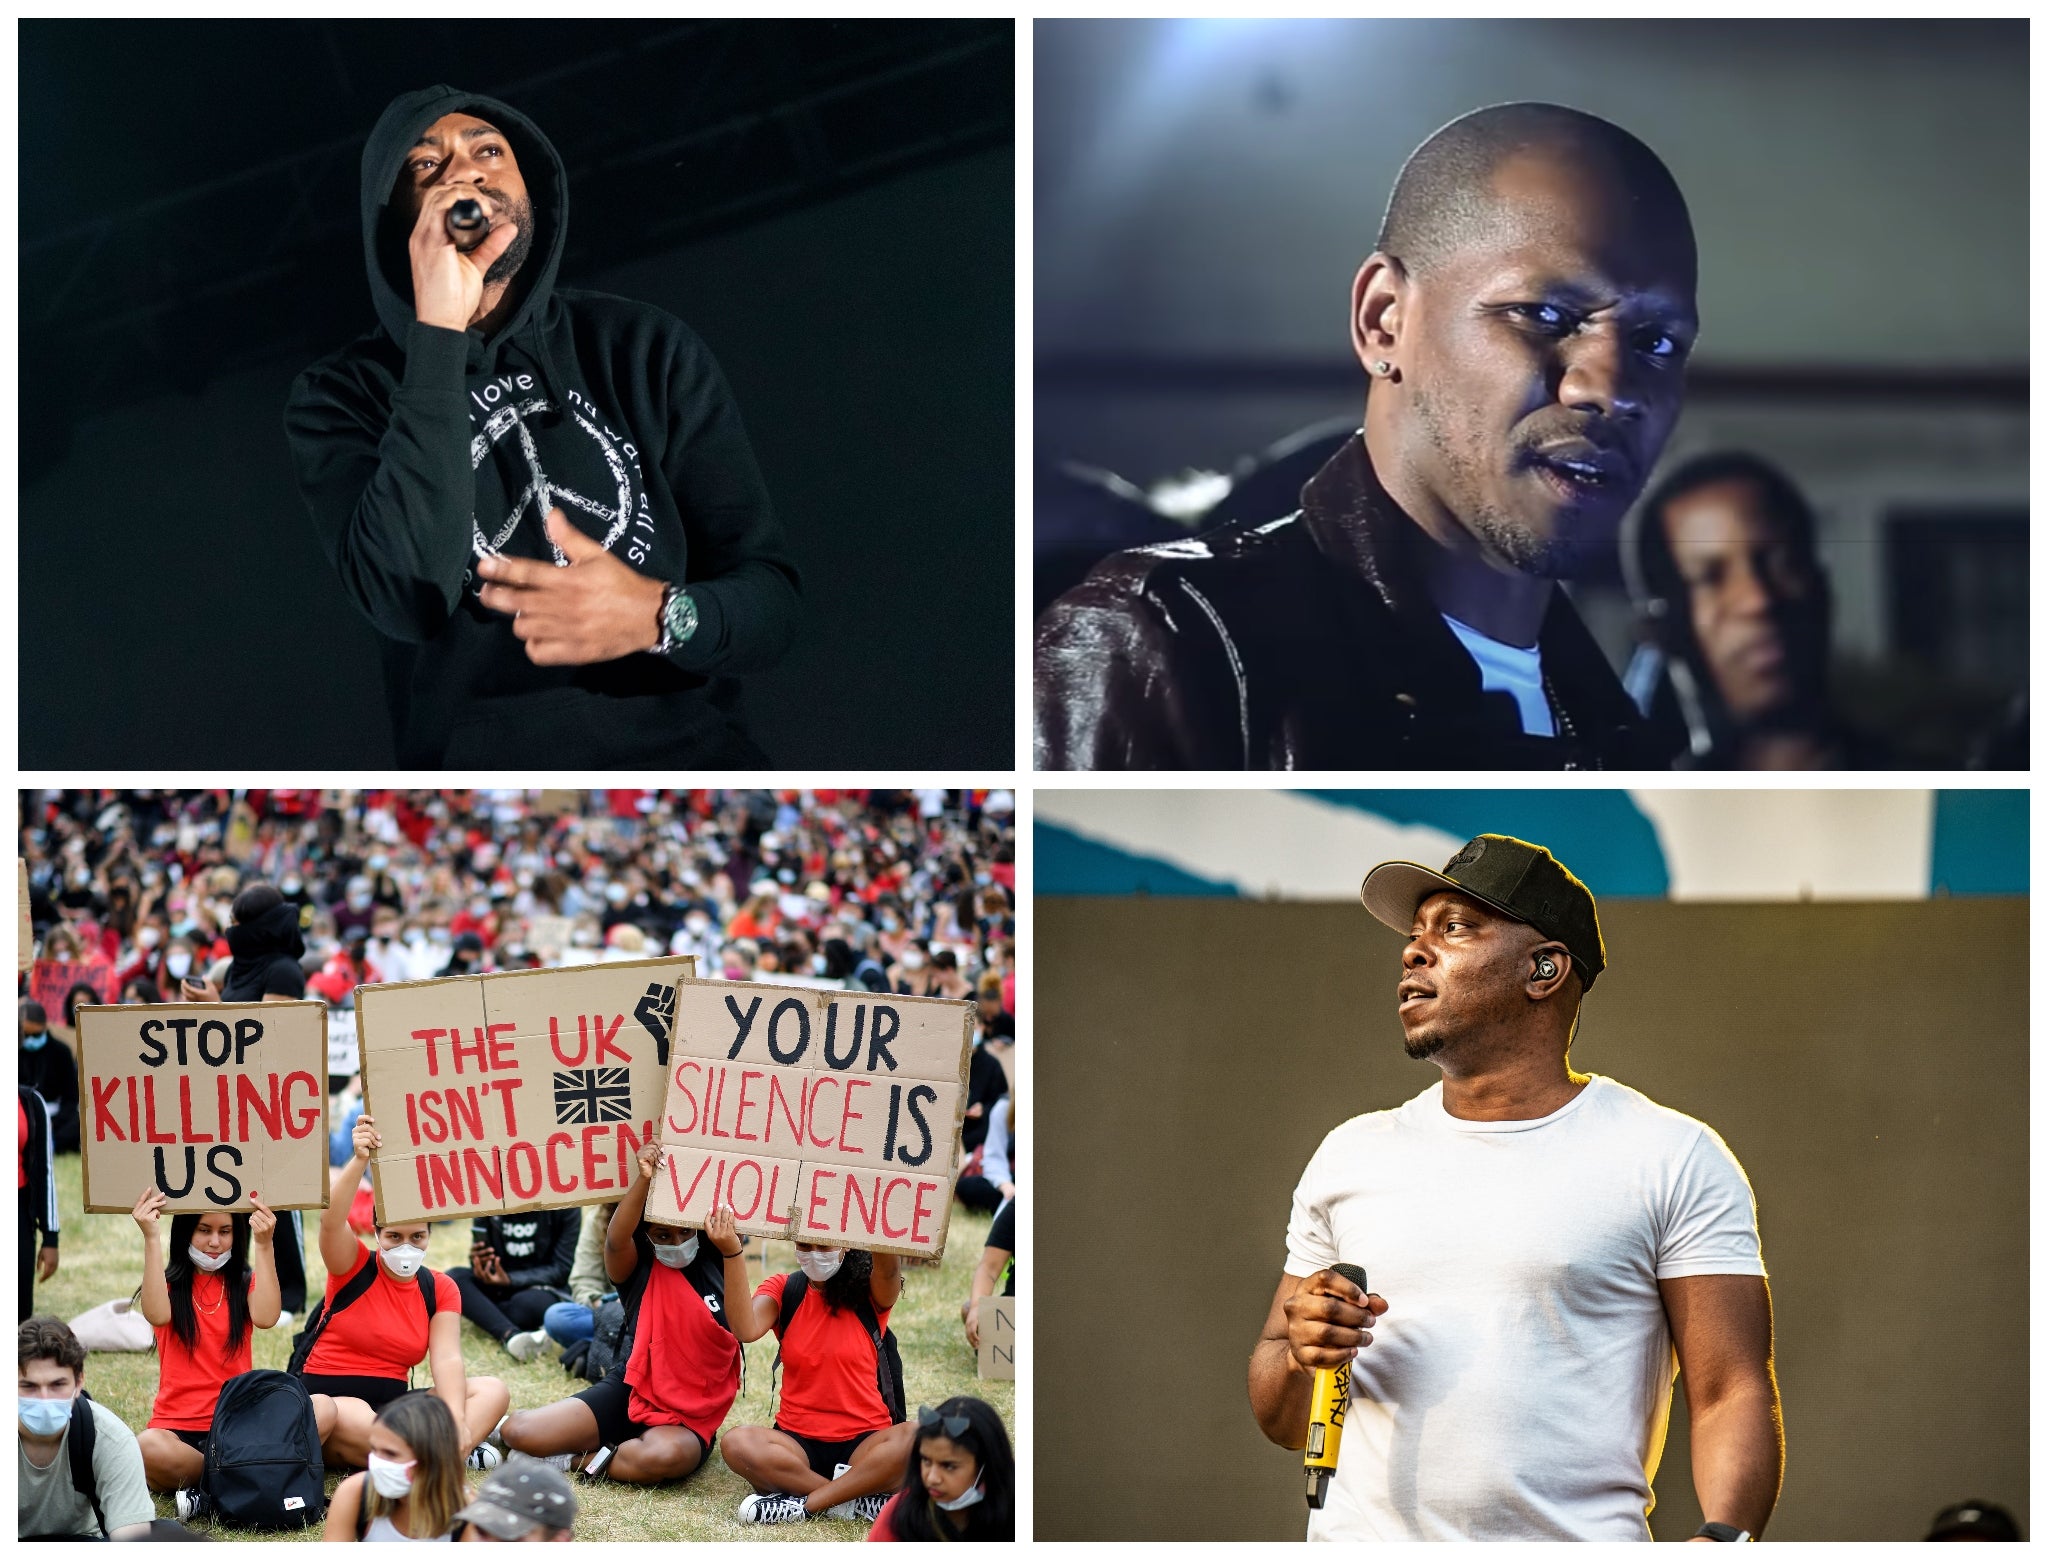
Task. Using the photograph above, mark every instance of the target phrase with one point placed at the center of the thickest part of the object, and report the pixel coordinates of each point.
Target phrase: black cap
(1518, 879)
(1975, 1519)
(523, 1494)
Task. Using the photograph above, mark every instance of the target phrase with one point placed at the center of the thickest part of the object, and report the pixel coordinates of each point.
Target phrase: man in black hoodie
(543, 500)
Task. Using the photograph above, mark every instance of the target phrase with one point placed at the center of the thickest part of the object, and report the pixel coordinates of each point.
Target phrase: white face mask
(819, 1265)
(392, 1480)
(148, 937)
(404, 1261)
(677, 1256)
(209, 1264)
(971, 1498)
(179, 963)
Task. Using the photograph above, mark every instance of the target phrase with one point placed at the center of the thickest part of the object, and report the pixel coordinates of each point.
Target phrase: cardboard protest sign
(998, 1358)
(524, 1089)
(826, 1116)
(50, 981)
(550, 931)
(343, 1060)
(206, 1101)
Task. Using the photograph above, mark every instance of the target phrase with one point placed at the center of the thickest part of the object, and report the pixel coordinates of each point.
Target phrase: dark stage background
(829, 204)
(1867, 1063)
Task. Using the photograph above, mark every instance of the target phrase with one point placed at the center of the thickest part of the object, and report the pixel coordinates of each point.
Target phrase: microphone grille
(1350, 1270)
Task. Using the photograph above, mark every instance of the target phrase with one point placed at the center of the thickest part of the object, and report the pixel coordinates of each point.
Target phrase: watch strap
(1722, 1532)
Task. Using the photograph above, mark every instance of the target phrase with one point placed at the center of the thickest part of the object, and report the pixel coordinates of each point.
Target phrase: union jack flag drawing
(595, 1094)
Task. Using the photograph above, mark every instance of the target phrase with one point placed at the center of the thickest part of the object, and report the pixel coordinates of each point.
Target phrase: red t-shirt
(884, 1530)
(685, 1368)
(829, 1392)
(385, 1332)
(21, 1153)
(189, 1380)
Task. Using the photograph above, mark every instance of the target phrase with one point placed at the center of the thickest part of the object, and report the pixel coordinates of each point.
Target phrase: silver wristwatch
(678, 619)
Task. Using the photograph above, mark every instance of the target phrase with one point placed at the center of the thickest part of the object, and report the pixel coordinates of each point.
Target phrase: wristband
(1722, 1532)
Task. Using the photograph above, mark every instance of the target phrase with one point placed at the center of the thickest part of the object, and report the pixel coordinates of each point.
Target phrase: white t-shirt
(1519, 1385)
(1506, 668)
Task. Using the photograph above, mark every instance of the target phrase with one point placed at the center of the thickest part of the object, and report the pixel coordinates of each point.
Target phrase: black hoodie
(419, 449)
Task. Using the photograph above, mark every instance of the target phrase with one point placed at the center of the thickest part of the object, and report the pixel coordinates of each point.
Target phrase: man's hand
(596, 609)
(448, 285)
(46, 1264)
(1329, 1319)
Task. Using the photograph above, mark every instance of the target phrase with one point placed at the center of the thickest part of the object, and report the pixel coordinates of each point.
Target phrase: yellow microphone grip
(1329, 1403)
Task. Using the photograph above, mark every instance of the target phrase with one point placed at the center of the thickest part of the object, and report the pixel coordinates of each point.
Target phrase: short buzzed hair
(1444, 200)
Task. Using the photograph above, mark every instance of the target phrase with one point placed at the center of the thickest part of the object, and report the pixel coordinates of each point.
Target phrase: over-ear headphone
(1545, 966)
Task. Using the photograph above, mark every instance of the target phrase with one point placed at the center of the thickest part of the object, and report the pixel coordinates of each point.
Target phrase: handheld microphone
(1328, 1404)
(467, 225)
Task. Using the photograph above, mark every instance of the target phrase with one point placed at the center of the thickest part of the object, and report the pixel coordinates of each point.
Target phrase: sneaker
(284, 1319)
(862, 1508)
(773, 1509)
(485, 1457)
(531, 1345)
(192, 1505)
(497, 1436)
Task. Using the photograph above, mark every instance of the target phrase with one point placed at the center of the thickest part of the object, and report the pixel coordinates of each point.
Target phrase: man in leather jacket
(1524, 323)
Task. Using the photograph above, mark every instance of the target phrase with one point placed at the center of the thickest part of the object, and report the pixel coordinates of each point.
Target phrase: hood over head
(385, 234)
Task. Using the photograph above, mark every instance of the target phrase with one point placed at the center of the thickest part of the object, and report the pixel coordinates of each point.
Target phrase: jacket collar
(1354, 523)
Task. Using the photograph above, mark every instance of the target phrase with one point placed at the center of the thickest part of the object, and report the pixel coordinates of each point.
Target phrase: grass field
(101, 1258)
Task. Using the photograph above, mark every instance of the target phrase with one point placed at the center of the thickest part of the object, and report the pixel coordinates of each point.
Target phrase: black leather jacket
(1304, 643)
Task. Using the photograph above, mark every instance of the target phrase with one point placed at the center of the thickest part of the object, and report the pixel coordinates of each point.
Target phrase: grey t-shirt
(49, 1505)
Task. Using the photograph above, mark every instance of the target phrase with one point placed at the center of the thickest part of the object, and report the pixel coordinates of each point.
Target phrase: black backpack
(78, 1445)
(349, 1293)
(888, 1358)
(263, 1467)
(592, 1358)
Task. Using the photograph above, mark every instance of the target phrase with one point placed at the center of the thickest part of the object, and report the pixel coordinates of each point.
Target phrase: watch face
(682, 616)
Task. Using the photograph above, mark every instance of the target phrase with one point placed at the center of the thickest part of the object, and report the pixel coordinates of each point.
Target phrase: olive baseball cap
(1518, 879)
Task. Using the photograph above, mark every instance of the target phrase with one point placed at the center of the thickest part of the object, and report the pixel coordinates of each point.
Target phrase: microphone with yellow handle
(1329, 1402)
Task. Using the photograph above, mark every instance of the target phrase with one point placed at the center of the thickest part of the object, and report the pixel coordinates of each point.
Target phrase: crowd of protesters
(145, 896)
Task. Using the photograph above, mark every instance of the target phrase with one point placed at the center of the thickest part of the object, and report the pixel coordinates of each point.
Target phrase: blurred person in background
(1729, 591)
(1974, 1520)
(47, 1066)
(35, 1175)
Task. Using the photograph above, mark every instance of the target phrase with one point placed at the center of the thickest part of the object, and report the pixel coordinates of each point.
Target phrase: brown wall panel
(1867, 1063)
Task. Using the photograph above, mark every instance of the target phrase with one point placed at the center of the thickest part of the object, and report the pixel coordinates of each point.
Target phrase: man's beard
(1421, 1048)
(507, 265)
(1540, 557)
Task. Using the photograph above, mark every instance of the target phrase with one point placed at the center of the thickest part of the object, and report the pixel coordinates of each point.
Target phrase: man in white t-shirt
(1546, 1238)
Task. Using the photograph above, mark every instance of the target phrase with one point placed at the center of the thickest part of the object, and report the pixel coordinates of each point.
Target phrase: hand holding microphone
(454, 244)
(1329, 1319)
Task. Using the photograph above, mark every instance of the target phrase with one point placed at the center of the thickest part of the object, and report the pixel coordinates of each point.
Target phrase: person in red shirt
(205, 1304)
(835, 1448)
(655, 1417)
(366, 1352)
(961, 1481)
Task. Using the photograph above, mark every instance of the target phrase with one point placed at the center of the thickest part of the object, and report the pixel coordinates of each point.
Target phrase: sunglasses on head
(955, 1425)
